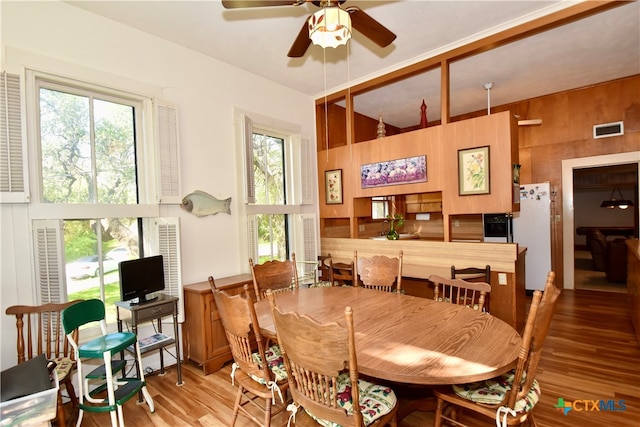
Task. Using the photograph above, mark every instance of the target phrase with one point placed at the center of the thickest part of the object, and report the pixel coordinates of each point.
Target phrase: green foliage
(111, 293)
(80, 240)
(396, 221)
(69, 154)
(269, 182)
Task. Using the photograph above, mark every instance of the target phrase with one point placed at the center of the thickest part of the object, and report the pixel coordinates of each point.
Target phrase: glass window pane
(84, 166)
(268, 164)
(115, 154)
(272, 237)
(88, 274)
(66, 147)
(379, 207)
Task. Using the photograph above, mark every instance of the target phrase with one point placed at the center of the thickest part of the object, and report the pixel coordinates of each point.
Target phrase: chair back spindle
(461, 292)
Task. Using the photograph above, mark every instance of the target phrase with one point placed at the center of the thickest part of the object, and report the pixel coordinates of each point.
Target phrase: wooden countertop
(422, 258)
(222, 283)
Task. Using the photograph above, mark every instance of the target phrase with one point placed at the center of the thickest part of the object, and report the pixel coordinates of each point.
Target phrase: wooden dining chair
(341, 273)
(497, 398)
(323, 267)
(259, 383)
(379, 272)
(39, 331)
(474, 274)
(322, 370)
(461, 292)
(275, 275)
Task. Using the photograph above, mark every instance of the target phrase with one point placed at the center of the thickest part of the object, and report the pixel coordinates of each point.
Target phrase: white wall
(56, 37)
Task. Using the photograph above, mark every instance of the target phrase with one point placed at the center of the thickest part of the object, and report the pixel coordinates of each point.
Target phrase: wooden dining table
(407, 339)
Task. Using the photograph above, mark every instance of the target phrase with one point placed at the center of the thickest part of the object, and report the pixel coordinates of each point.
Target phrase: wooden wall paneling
(446, 219)
(422, 258)
(336, 129)
(633, 282)
(494, 131)
(445, 93)
(469, 227)
(432, 229)
(338, 158)
(421, 142)
(565, 133)
(504, 304)
(367, 127)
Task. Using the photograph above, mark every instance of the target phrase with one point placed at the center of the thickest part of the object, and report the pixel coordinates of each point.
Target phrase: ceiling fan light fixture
(330, 27)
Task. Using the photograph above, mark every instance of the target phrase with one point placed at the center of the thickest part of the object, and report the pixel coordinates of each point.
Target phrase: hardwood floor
(588, 278)
(591, 354)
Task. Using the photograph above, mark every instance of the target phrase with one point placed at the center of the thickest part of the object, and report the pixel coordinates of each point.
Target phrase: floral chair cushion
(64, 365)
(275, 363)
(494, 390)
(375, 400)
(321, 284)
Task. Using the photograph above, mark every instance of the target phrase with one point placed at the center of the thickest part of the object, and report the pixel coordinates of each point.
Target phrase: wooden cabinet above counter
(440, 145)
(425, 202)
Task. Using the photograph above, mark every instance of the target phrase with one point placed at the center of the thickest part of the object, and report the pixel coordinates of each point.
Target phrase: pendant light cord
(351, 133)
(326, 107)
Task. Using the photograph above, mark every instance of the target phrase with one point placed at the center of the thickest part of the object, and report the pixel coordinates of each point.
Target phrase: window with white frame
(275, 189)
(94, 205)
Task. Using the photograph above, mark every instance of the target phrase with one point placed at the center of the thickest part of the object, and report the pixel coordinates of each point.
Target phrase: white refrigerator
(532, 228)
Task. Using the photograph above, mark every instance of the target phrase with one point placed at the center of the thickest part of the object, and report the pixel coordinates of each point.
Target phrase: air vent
(608, 129)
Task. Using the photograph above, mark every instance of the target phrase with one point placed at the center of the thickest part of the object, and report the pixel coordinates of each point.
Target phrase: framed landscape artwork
(333, 186)
(473, 171)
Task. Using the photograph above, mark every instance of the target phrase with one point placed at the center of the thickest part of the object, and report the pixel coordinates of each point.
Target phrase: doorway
(568, 210)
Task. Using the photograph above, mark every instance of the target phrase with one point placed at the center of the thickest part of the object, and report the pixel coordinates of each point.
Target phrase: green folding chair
(119, 390)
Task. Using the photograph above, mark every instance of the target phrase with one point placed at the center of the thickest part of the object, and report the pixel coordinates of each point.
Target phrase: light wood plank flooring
(591, 353)
(588, 278)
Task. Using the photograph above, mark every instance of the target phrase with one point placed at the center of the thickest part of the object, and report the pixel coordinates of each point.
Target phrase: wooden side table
(203, 337)
(135, 314)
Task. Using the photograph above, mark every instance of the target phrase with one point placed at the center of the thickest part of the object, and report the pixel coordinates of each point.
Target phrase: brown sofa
(609, 256)
(597, 244)
(615, 265)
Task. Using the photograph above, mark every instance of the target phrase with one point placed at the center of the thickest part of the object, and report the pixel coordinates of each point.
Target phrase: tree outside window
(269, 181)
(88, 156)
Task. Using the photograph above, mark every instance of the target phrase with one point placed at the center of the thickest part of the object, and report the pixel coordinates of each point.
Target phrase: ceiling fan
(360, 21)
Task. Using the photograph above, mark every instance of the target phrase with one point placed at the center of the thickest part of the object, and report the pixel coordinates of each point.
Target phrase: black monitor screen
(140, 277)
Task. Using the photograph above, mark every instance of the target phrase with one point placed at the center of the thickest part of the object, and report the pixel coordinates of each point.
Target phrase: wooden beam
(556, 19)
(445, 92)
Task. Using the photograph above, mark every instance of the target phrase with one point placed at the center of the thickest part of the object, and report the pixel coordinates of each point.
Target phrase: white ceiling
(598, 48)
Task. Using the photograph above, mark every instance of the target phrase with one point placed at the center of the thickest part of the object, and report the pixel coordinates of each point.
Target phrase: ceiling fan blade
(301, 43)
(239, 4)
(369, 27)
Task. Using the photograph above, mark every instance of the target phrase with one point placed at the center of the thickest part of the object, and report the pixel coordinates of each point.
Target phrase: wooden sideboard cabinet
(203, 338)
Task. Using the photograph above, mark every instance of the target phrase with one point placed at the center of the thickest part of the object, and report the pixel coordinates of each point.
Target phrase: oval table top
(408, 339)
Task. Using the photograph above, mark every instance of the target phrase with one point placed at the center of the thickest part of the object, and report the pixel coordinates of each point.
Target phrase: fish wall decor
(202, 204)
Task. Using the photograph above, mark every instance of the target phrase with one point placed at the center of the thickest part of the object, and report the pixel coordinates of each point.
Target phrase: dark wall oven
(498, 227)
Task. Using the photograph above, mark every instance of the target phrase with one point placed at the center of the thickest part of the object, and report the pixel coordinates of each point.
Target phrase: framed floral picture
(473, 171)
(333, 186)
